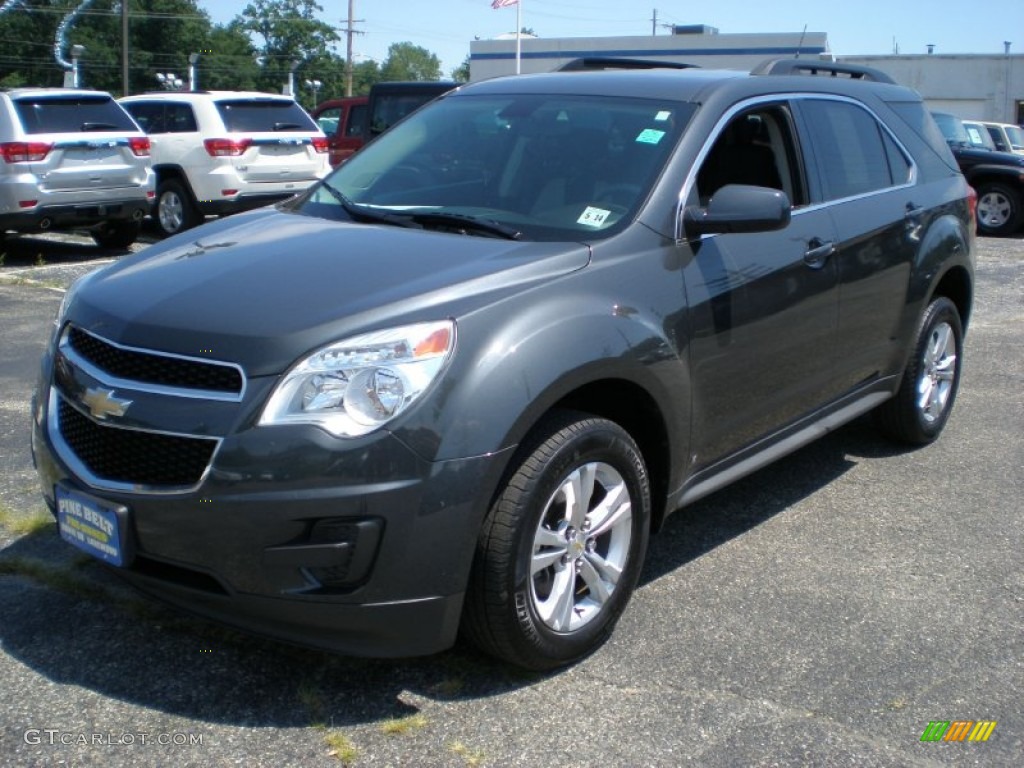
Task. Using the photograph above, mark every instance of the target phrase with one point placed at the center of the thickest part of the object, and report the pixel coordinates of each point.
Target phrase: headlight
(354, 386)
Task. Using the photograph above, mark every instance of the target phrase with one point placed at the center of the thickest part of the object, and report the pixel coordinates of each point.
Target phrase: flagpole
(519, 32)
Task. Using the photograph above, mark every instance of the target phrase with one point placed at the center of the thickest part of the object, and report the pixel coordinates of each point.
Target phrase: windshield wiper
(463, 223)
(286, 126)
(363, 214)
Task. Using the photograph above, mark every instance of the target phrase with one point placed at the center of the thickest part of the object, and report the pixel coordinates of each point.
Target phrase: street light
(314, 85)
(169, 81)
(76, 53)
(193, 59)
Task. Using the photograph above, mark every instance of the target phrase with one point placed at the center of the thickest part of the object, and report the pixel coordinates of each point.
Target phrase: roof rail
(608, 62)
(815, 67)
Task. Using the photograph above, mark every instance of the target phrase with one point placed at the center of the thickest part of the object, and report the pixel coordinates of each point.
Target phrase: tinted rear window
(251, 116)
(72, 114)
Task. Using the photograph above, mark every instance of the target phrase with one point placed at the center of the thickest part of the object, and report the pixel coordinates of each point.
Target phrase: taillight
(227, 147)
(972, 204)
(140, 145)
(25, 151)
(320, 144)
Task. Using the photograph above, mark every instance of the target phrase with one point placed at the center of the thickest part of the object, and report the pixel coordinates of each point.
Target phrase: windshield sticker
(662, 116)
(650, 136)
(593, 217)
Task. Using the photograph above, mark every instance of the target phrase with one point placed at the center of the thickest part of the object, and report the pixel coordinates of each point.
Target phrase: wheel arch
(956, 285)
(624, 402)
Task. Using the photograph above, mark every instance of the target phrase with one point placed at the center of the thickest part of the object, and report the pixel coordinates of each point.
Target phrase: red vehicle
(344, 123)
(351, 122)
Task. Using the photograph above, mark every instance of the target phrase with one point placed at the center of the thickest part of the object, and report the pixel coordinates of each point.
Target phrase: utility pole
(350, 30)
(124, 47)
(654, 23)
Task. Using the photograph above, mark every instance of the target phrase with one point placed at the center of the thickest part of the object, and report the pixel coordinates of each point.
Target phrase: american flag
(503, 3)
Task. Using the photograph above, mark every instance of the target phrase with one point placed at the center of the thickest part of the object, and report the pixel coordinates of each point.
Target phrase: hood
(262, 288)
(980, 156)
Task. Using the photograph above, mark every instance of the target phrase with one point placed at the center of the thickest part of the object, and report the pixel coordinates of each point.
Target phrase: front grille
(134, 457)
(153, 368)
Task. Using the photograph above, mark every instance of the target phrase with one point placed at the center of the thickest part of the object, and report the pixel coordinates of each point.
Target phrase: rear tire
(561, 549)
(920, 408)
(116, 235)
(175, 209)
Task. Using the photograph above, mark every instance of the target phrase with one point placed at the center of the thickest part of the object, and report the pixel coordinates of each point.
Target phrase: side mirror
(739, 208)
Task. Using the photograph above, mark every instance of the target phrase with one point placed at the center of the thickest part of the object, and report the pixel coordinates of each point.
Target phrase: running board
(786, 446)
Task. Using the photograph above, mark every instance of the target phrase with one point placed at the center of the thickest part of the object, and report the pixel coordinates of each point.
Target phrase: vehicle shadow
(755, 499)
(63, 248)
(72, 621)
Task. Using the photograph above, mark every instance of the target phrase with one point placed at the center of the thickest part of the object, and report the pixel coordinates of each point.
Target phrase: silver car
(72, 158)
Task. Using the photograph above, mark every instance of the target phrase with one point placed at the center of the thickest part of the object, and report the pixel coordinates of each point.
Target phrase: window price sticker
(593, 217)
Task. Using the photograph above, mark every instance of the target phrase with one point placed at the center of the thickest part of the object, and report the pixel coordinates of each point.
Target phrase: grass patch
(341, 746)
(312, 699)
(472, 757)
(450, 687)
(21, 525)
(398, 726)
(61, 579)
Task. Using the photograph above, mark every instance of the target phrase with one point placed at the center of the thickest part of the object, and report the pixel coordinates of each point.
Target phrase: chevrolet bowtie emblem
(102, 403)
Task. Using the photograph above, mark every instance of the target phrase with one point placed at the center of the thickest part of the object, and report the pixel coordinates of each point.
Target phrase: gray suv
(456, 385)
(69, 159)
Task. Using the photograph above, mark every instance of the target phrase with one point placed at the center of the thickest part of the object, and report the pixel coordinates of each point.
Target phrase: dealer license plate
(93, 525)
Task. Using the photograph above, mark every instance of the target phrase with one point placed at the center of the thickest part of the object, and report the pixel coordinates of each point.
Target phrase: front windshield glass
(551, 167)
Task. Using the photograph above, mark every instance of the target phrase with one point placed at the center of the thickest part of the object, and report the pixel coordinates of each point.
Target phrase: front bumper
(359, 546)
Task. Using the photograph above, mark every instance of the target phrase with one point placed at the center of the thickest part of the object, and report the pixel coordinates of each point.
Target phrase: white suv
(220, 152)
(72, 158)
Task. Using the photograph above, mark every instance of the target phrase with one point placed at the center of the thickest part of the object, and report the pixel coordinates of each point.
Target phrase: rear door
(867, 182)
(280, 139)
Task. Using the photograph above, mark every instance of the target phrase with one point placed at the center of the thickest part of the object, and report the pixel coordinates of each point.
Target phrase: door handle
(817, 252)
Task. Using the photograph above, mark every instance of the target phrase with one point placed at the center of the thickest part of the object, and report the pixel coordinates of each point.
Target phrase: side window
(756, 147)
(855, 155)
(356, 120)
(181, 119)
(148, 116)
(328, 120)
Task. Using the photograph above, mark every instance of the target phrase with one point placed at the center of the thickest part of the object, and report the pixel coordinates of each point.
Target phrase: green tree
(290, 34)
(461, 73)
(410, 62)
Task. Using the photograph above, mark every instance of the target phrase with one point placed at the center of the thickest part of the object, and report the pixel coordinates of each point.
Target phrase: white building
(978, 86)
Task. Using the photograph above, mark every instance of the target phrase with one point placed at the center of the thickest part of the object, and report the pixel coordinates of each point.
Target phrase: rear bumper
(63, 216)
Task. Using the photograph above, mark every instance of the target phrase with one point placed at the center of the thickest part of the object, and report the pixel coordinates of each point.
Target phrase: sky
(865, 27)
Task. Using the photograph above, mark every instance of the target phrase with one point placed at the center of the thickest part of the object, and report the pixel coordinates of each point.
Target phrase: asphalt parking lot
(821, 612)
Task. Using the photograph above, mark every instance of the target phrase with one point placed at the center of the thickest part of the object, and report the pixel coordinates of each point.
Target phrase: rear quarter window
(251, 116)
(72, 114)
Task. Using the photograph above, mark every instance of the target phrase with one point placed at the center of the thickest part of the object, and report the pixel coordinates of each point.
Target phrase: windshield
(1016, 137)
(952, 128)
(978, 136)
(551, 167)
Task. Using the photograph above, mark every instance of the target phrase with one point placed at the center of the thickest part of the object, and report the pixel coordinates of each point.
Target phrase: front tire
(561, 549)
(175, 209)
(920, 408)
(1000, 211)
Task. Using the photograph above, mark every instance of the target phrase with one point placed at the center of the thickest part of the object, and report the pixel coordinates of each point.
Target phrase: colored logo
(958, 730)
(102, 403)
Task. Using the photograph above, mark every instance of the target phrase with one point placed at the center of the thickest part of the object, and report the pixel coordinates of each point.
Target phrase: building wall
(978, 86)
(974, 86)
(494, 58)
